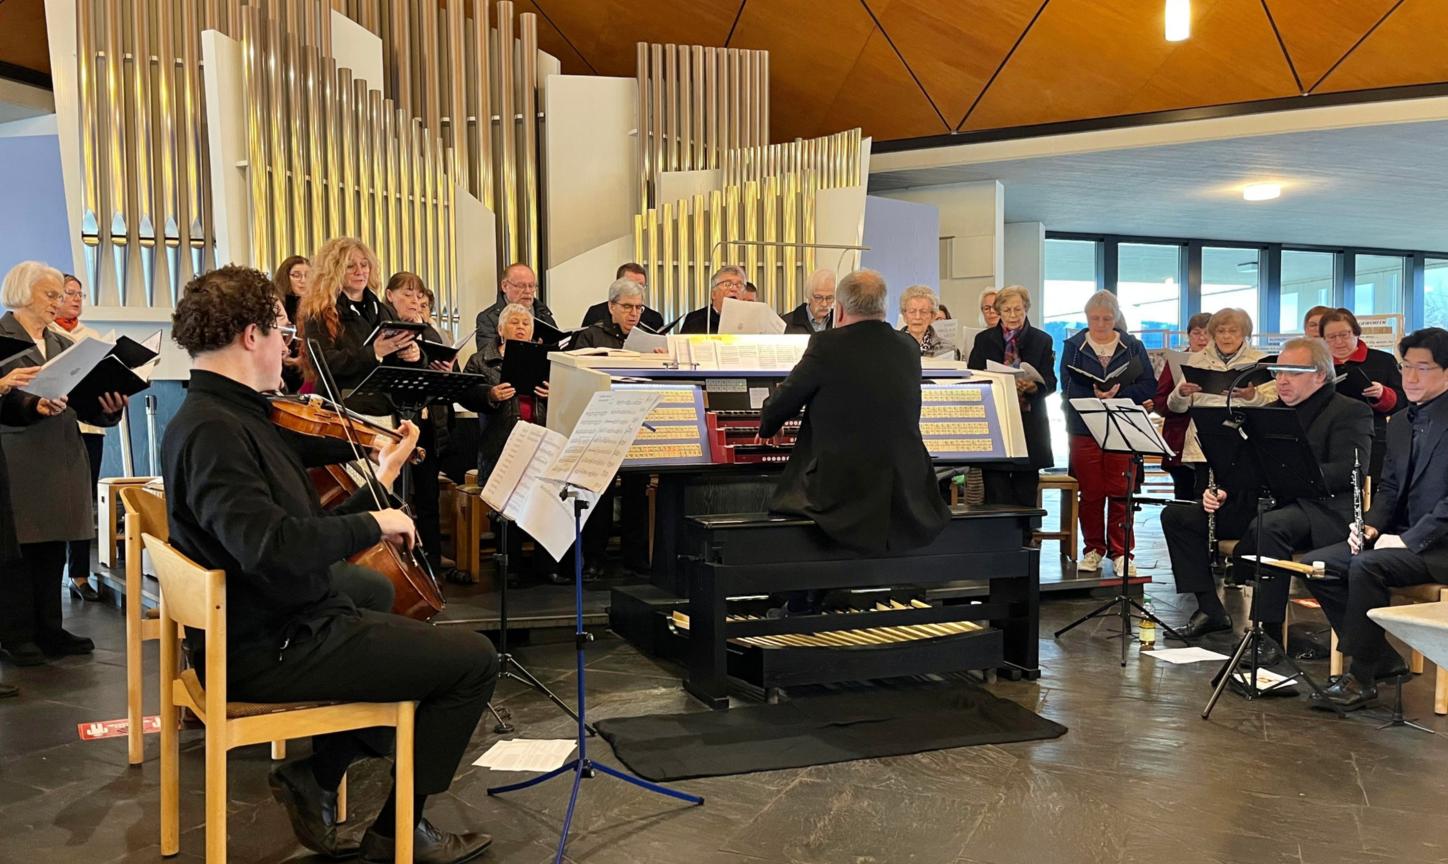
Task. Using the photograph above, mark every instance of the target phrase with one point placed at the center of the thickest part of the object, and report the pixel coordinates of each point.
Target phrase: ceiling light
(1261, 191)
(1178, 20)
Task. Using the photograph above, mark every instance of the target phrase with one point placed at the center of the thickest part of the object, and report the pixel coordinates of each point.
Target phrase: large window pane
(1148, 287)
(1307, 281)
(1435, 292)
(1230, 279)
(1378, 284)
(1070, 280)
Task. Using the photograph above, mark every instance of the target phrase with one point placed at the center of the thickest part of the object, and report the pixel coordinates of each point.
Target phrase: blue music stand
(582, 765)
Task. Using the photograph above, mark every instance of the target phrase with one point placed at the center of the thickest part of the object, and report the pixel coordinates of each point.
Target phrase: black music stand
(1274, 452)
(1122, 427)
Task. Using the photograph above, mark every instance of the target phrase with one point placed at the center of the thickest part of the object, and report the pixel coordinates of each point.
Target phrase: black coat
(1423, 522)
(487, 322)
(348, 355)
(1034, 347)
(1381, 368)
(797, 321)
(598, 314)
(859, 468)
(601, 334)
(1337, 427)
(704, 320)
(501, 417)
(16, 409)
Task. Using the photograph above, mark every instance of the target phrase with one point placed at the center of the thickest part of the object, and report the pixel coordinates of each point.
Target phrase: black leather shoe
(592, 573)
(1390, 666)
(1200, 624)
(559, 578)
(84, 591)
(8, 690)
(1346, 693)
(429, 846)
(25, 654)
(63, 642)
(1269, 653)
(312, 809)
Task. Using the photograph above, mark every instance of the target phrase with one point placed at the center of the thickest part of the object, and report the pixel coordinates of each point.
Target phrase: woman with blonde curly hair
(340, 310)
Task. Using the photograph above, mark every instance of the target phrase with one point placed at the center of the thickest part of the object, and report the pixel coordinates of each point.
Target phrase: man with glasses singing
(727, 281)
(625, 308)
(817, 313)
(1405, 533)
(519, 285)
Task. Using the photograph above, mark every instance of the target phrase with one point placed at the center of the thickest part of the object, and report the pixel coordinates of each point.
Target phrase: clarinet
(1357, 499)
(1211, 518)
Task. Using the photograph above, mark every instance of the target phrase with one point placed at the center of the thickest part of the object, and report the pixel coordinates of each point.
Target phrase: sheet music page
(733, 355)
(1174, 361)
(516, 488)
(62, 372)
(644, 342)
(515, 465)
(993, 366)
(749, 316)
(948, 329)
(781, 356)
(602, 438)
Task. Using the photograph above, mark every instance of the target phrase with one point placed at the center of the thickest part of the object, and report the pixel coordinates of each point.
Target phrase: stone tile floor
(1139, 777)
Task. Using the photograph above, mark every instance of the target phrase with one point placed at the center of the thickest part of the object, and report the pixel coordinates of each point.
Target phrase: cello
(416, 591)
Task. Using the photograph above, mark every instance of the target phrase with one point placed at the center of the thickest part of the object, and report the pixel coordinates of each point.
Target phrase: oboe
(1212, 518)
(1357, 499)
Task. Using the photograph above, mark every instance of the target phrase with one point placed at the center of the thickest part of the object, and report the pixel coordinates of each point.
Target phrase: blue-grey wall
(32, 220)
(904, 241)
(168, 398)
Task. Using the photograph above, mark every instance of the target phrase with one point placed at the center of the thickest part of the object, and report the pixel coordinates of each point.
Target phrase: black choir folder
(92, 367)
(1129, 372)
(525, 365)
(1351, 381)
(10, 348)
(1220, 381)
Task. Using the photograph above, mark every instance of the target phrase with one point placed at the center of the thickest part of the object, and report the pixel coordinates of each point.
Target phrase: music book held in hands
(1026, 371)
(435, 351)
(92, 367)
(749, 317)
(1219, 381)
(1120, 374)
(10, 348)
(389, 329)
(525, 365)
(550, 335)
(1351, 380)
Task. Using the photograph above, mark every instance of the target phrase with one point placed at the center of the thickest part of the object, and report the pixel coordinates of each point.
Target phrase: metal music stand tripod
(1122, 428)
(1289, 471)
(582, 765)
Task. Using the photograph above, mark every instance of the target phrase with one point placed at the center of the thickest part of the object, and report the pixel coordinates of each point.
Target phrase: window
(1435, 292)
(1307, 281)
(1070, 281)
(1230, 279)
(1378, 284)
(1148, 287)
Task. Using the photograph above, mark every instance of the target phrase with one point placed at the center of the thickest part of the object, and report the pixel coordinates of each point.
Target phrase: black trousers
(1362, 583)
(1184, 526)
(30, 594)
(633, 536)
(1015, 488)
(1286, 529)
(425, 491)
(1183, 481)
(367, 588)
(376, 657)
(78, 551)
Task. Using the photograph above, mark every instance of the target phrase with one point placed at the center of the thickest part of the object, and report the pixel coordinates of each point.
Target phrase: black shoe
(454, 576)
(312, 809)
(8, 690)
(558, 578)
(25, 654)
(84, 591)
(61, 643)
(1269, 653)
(1346, 693)
(1200, 624)
(1390, 666)
(429, 846)
(592, 573)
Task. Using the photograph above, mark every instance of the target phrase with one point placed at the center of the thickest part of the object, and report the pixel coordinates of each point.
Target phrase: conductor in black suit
(859, 467)
(598, 313)
(1405, 533)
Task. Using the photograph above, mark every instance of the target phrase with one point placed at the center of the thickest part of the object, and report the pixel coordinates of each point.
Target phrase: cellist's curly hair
(217, 306)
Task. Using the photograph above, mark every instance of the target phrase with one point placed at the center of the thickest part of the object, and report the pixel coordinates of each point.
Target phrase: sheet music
(749, 316)
(1130, 430)
(62, 372)
(601, 439)
(1026, 371)
(1174, 361)
(948, 329)
(517, 488)
(644, 342)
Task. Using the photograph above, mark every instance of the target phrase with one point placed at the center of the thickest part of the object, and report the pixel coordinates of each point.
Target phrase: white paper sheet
(948, 329)
(522, 754)
(602, 438)
(1266, 679)
(993, 366)
(1174, 361)
(517, 490)
(1185, 655)
(748, 316)
(1130, 428)
(644, 342)
(62, 372)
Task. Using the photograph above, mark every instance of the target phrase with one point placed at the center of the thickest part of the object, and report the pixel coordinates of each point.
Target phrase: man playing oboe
(1405, 537)
(1338, 428)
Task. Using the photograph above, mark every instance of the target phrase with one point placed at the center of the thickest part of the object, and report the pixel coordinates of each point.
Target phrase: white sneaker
(1090, 562)
(1120, 562)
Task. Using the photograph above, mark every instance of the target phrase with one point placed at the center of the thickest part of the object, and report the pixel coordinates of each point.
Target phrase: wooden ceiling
(905, 69)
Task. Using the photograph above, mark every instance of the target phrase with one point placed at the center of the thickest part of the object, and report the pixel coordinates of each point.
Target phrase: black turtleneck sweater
(238, 499)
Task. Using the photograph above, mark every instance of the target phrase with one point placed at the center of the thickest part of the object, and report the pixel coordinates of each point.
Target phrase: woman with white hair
(48, 474)
(1103, 348)
(918, 306)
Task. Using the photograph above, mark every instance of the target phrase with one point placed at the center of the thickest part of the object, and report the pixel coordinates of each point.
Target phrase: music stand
(1121, 426)
(1288, 471)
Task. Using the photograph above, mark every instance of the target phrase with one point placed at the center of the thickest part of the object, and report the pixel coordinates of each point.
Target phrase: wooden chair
(193, 596)
(1069, 489)
(145, 513)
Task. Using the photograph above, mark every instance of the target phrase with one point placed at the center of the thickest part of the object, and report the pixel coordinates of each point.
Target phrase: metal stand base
(1397, 716)
(1253, 640)
(1124, 604)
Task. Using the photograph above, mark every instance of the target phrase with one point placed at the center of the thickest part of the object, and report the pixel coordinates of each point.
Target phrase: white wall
(972, 232)
(590, 185)
(1025, 257)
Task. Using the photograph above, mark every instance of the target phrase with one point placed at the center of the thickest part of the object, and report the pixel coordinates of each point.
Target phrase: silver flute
(1211, 518)
(1357, 499)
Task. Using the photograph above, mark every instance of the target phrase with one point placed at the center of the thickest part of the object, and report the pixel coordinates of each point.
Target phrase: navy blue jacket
(1138, 390)
(1421, 520)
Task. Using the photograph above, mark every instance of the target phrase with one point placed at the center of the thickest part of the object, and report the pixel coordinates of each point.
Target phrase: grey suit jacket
(49, 472)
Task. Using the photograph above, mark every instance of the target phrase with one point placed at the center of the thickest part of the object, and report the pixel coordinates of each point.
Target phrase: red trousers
(1102, 478)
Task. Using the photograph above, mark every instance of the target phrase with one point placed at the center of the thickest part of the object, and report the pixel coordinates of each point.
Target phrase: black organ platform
(717, 553)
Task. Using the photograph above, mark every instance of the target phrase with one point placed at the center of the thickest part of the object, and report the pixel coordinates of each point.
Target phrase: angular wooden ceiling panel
(813, 45)
(550, 38)
(954, 47)
(1409, 48)
(1319, 32)
(1102, 58)
(22, 35)
(606, 32)
(879, 96)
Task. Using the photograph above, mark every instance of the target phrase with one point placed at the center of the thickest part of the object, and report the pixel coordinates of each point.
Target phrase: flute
(1357, 499)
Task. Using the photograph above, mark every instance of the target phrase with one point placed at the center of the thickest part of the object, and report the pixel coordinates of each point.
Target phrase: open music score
(958, 421)
(678, 435)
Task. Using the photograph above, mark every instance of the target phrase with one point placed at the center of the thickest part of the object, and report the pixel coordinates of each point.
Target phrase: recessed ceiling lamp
(1261, 191)
(1178, 20)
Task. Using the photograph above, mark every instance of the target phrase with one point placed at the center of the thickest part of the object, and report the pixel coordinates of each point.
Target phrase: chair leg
(279, 749)
(1334, 666)
(1415, 662)
(216, 794)
(1440, 691)
(170, 774)
(342, 800)
(135, 717)
(402, 777)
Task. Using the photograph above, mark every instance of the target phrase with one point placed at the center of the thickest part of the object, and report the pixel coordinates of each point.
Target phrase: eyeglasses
(527, 286)
(1339, 337)
(1419, 368)
(70, 295)
(987, 308)
(729, 283)
(288, 331)
(630, 307)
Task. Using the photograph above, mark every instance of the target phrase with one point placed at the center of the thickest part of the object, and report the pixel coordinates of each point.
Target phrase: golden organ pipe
(751, 225)
(684, 110)
(457, 87)
(638, 255)
(709, 75)
(696, 107)
(697, 277)
(390, 183)
(670, 86)
(483, 101)
(116, 148)
(654, 263)
(666, 214)
(656, 119)
(195, 178)
(763, 95)
(332, 144)
(346, 148)
(165, 88)
(379, 182)
(770, 235)
(645, 150)
(415, 138)
(528, 33)
(277, 152)
(316, 136)
(716, 231)
(295, 131)
(362, 177)
(790, 236)
(90, 146)
(507, 133)
(429, 185)
(432, 67)
(403, 125)
(808, 206)
(257, 188)
(400, 54)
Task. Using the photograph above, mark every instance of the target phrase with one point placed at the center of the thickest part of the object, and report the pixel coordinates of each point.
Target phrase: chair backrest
(191, 595)
(150, 510)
